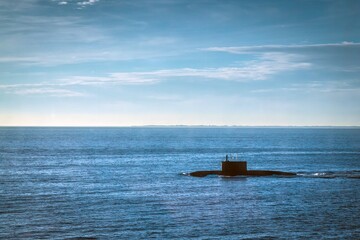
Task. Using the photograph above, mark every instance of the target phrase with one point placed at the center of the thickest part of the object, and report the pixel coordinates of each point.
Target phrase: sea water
(133, 183)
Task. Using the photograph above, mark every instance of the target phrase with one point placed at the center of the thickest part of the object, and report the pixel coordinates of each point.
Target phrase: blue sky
(179, 62)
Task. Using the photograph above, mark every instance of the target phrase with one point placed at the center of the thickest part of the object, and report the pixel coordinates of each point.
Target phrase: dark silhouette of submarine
(239, 168)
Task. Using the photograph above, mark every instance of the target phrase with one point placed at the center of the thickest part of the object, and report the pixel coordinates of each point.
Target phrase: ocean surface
(133, 183)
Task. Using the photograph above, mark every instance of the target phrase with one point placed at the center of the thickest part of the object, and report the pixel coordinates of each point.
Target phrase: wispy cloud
(80, 4)
(264, 52)
(23, 85)
(342, 56)
(113, 78)
(315, 86)
(269, 64)
(86, 56)
(279, 48)
(54, 92)
(47, 89)
(83, 4)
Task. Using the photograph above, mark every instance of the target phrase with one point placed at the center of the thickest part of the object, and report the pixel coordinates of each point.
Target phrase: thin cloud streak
(88, 2)
(267, 52)
(318, 87)
(277, 48)
(85, 56)
(53, 92)
(80, 4)
(48, 89)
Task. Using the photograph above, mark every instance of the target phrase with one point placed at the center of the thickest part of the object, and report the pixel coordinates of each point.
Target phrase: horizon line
(182, 126)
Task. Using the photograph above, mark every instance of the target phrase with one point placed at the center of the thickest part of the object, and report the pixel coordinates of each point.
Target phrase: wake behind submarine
(238, 168)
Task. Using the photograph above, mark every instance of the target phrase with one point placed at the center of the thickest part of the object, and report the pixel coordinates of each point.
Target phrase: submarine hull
(250, 173)
(239, 168)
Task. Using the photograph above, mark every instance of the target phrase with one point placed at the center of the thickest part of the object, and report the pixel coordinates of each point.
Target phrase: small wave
(184, 174)
(331, 174)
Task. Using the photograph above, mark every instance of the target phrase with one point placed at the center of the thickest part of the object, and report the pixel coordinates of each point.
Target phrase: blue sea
(133, 183)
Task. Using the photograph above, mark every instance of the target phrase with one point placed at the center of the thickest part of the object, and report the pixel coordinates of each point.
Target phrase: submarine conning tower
(233, 168)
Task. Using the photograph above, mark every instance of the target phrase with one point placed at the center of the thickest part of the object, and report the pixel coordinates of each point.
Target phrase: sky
(179, 62)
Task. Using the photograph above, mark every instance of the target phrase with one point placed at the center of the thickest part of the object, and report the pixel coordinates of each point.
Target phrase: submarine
(239, 168)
